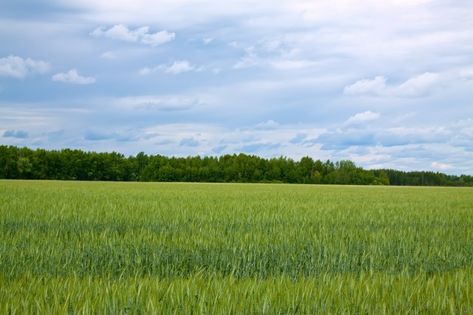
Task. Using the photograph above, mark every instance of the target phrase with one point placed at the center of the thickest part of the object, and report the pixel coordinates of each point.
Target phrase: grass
(94, 247)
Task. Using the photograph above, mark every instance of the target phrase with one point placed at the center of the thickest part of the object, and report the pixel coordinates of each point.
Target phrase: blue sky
(383, 83)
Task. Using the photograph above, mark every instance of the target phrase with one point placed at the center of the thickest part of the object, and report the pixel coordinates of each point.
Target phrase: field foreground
(94, 247)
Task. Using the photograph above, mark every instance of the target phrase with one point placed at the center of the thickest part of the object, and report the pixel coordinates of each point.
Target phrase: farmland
(96, 247)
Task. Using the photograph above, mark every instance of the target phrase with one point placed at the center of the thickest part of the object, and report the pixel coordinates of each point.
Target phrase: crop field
(160, 248)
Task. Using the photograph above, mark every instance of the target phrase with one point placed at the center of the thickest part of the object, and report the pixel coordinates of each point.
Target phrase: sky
(386, 84)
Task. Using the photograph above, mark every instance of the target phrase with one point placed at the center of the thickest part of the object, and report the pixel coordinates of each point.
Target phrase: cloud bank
(384, 83)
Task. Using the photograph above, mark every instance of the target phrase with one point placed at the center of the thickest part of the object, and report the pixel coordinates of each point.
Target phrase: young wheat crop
(93, 247)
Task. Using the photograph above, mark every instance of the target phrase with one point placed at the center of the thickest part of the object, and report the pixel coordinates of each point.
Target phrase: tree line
(67, 164)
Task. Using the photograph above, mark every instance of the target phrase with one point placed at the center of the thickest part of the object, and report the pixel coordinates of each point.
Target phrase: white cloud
(161, 103)
(141, 35)
(158, 38)
(413, 87)
(147, 70)
(72, 76)
(108, 55)
(277, 63)
(177, 67)
(269, 124)
(276, 54)
(417, 85)
(466, 73)
(441, 166)
(363, 117)
(207, 40)
(17, 67)
(246, 62)
(374, 86)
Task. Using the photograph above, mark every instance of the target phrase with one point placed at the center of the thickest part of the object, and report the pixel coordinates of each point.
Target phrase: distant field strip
(95, 247)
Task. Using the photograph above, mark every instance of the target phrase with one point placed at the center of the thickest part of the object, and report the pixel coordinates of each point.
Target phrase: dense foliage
(24, 163)
(185, 248)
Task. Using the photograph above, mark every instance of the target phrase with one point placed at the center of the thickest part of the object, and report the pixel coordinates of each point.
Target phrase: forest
(67, 164)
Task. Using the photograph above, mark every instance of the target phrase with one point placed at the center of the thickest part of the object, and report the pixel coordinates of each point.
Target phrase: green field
(111, 248)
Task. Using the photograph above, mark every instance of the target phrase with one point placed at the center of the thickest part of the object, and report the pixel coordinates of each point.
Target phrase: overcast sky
(383, 83)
